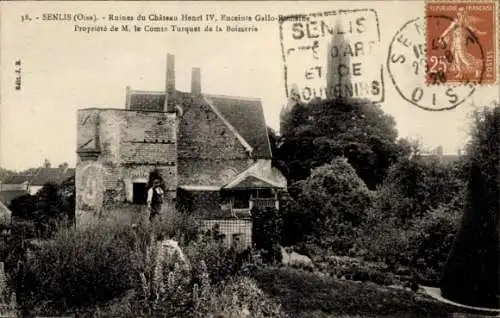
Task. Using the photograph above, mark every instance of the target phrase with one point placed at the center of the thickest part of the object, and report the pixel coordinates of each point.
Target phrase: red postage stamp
(461, 42)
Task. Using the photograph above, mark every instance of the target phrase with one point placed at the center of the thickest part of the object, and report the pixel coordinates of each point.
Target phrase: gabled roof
(245, 115)
(229, 125)
(17, 179)
(55, 175)
(251, 181)
(259, 175)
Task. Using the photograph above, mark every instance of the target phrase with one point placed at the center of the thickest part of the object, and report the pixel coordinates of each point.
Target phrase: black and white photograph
(241, 159)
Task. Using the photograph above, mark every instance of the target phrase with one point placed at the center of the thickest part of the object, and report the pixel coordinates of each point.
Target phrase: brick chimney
(196, 81)
(169, 105)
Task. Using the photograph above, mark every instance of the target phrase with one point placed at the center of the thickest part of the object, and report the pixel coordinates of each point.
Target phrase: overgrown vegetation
(471, 274)
(267, 225)
(113, 267)
(407, 222)
(314, 134)
(51, 207)
(361, 204)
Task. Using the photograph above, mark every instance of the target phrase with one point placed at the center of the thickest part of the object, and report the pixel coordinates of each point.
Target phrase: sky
(63, 70)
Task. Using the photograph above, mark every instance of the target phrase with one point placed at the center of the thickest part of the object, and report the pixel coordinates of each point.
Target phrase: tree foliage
(416, 185)
(314, 134)
(335, 202)
(5, 173)
(471, 274)
(51, 205)
(266, 232)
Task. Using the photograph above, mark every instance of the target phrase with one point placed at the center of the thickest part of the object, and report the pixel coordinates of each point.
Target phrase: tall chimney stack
(169, 104)
(196, 81)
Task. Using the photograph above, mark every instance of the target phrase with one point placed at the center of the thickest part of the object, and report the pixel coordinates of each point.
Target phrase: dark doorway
(140, 193)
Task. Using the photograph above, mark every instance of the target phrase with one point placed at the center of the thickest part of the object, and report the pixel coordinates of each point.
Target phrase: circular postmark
(421, 65)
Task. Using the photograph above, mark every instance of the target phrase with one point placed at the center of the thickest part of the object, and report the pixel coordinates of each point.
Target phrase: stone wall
(132, 144)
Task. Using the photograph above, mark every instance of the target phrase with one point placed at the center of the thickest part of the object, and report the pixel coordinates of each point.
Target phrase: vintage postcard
(163, 158)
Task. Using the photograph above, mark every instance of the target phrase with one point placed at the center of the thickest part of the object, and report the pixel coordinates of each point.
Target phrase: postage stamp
(408, 68)
(330, 54)
(461, 40)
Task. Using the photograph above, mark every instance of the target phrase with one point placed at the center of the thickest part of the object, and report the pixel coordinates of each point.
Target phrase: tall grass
(81, 266)
(113, 267)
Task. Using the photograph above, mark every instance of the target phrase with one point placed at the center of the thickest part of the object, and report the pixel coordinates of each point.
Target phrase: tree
(46, 163)
(23, 206)
(48, 209)
(335, 202)
(471, 273)
(5, 173)
(314, 134)
(64, 165)
(415, 185)
(52, 205)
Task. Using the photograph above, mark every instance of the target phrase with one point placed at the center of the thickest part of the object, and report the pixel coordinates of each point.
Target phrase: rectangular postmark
(332, 54)
(461, 39)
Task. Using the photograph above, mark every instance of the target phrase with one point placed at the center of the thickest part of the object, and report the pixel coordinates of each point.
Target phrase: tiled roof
(246, 115)
(17, 179)
(260, 175)
(253, 182)
(55, 175)
(148, 102)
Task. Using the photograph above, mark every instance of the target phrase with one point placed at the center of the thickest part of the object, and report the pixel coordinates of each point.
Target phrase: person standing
(155, 199)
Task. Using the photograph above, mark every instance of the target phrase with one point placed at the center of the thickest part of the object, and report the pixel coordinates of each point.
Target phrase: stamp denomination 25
(461, 40)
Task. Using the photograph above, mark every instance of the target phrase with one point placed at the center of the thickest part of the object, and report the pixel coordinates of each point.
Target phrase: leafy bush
(51, 207)
(111, 267)
(388, 243)
(220, 261)
(266, 232)
(23, 206)
(175, 291)
(431, 242)
(173, 223)
(238, 297)
(296, 222)
(81, 266)
(416, 185)
(356, 269)
(414, 217)
(337, 202)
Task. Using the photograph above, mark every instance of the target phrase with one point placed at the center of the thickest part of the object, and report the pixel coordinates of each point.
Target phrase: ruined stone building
(212, 151)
